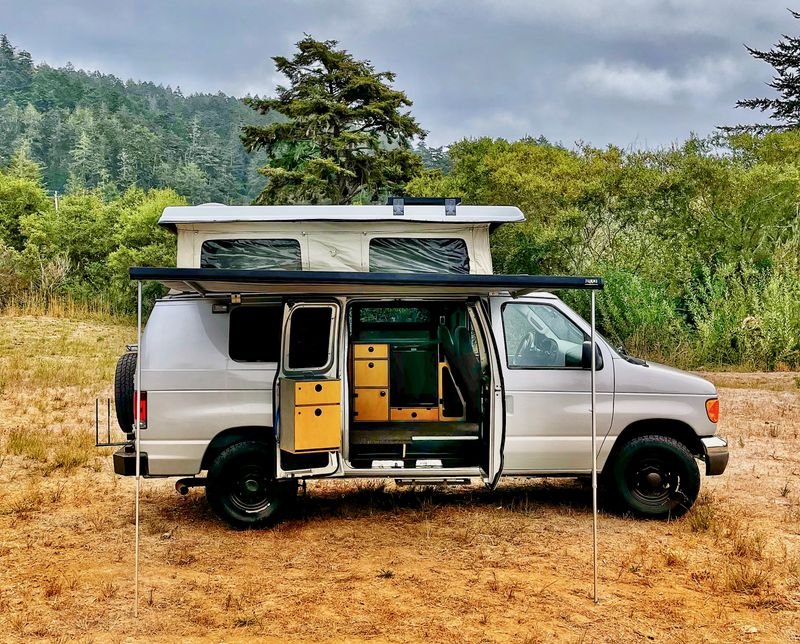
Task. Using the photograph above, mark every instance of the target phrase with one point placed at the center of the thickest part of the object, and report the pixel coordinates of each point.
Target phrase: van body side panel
(634, 407)
(194, 391)
(548, 409)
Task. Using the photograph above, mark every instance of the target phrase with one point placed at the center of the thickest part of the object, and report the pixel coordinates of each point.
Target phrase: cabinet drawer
(370, 350)
(371, 373)
(415, 413)
(317, 428)
(317, 392)
(371, 404)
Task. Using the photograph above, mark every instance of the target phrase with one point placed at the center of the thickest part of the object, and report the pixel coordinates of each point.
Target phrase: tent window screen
(252, 254)
(418, 255)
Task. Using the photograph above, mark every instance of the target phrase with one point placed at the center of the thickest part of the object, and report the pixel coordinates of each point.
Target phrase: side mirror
(586, 356)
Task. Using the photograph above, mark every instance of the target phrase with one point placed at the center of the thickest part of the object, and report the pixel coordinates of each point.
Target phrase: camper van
(307, 342)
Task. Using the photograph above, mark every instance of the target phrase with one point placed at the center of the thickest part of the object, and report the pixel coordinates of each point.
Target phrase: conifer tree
(346, 135)
(783, 109)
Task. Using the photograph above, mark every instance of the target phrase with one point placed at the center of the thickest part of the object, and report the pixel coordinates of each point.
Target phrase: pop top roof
(212, 213)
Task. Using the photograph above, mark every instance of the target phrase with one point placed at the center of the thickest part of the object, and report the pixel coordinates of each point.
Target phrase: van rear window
(252, 254)
(255, 333)
(418, 255)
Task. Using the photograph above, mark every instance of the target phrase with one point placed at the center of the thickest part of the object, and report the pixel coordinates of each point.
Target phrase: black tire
(241, 486)
(654, 477)
(124, 384)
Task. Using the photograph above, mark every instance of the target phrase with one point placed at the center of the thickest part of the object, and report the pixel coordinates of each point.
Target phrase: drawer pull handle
(318, 387)
(413, 414)
(371, 364)
(371, 349)
(318, 412)
(383, 394)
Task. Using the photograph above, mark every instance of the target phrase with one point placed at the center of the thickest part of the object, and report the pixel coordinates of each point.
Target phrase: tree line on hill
(699, 242)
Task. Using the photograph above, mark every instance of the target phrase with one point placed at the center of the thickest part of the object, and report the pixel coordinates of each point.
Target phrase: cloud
(631, 81)
(605, 71)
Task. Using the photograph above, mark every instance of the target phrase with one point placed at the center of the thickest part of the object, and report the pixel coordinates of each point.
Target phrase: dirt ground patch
(371, 561)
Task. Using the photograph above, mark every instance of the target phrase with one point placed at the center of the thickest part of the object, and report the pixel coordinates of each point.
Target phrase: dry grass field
(371, 561)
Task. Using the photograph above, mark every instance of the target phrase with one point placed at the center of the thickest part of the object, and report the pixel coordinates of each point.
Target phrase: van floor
(452, 444)
(392, 433)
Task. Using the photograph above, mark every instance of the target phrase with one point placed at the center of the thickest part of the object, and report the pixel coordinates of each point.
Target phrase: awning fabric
(216, 281)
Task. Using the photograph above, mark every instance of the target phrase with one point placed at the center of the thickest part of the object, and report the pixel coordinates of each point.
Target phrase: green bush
(635, 313)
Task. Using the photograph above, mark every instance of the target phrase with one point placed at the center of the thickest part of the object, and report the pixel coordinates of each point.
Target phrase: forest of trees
(94, 131)
(699, 242)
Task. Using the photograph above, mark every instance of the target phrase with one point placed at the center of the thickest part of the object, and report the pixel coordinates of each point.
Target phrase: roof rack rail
(399, 203)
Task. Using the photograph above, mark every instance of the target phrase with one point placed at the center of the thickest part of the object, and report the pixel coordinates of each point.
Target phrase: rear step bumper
(125, 462)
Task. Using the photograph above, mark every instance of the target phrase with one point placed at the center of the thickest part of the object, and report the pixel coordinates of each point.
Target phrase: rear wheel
(241, 486)
(654, 477)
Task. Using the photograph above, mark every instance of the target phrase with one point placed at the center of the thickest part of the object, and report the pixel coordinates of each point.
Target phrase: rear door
(547, 390)
(308, 379)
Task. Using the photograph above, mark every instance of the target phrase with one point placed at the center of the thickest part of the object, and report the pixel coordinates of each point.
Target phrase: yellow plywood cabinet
(370, 351)
(317, 428)
(311, 419)
(371, 404)
(317, 392)
(415, 413)
(371, 373)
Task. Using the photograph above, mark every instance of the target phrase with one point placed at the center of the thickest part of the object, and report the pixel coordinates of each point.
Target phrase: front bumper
(715, 454)
(125, 462)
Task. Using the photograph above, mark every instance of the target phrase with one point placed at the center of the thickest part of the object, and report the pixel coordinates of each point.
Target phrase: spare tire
(124, 385)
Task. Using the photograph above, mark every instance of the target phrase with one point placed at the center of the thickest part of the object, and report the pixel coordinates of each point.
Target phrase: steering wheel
(545, 349)
(524, 346)
(549, 349)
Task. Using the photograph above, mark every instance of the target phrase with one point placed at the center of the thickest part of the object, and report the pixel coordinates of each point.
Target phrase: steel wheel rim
(654, 482)
(251, 489)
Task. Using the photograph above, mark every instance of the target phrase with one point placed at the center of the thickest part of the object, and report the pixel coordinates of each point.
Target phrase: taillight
(712, 409)
(142, 405)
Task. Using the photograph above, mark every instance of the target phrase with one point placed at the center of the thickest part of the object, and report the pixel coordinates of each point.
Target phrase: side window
(255, 333)
(418, 255)
(310, 342)
(252, 254)
(540, 336)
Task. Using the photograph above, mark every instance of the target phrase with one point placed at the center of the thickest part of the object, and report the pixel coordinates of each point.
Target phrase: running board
(433, 481)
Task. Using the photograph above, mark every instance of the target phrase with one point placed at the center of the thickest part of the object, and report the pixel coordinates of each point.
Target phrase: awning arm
(194, 286)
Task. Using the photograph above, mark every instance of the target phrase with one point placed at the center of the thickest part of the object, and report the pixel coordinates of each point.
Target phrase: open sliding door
(494, 425)
(308, 391)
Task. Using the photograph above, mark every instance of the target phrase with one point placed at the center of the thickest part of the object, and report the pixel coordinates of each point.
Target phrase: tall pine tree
(346, 135)
(783, 109)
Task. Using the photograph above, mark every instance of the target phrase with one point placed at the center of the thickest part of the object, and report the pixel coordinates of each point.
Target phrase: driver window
(541, 336)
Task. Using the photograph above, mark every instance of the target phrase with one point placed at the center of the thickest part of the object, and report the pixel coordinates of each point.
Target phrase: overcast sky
(637, 73)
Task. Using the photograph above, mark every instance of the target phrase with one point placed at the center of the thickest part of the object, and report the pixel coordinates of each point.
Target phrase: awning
(220, 281)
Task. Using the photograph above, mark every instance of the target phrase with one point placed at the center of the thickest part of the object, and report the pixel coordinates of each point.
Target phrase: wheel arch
(677, 429)
(234, 435)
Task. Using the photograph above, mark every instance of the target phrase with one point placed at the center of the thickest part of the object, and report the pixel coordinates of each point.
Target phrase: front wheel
(241, 486)
(654, 477)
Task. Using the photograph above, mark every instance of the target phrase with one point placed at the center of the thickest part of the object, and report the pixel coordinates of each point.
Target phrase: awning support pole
(594, 454)
(137, 426)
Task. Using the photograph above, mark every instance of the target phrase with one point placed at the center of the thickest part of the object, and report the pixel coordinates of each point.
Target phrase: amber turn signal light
(712, 409)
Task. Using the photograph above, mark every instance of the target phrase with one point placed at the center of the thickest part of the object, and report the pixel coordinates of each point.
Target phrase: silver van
(414, 362)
